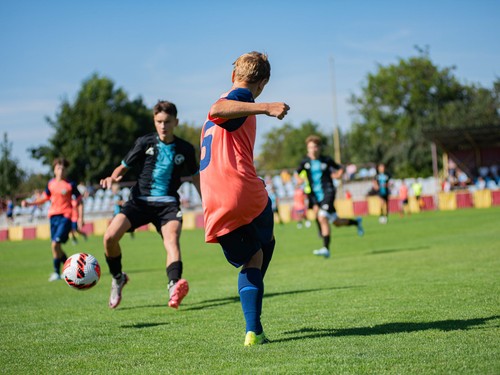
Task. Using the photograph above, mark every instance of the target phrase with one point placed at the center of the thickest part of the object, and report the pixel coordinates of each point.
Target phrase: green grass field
(418, 295)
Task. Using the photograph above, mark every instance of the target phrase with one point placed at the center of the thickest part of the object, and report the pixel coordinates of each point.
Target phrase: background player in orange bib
(60, 191)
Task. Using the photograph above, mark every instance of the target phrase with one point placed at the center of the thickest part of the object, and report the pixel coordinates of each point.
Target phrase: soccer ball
(81, 271)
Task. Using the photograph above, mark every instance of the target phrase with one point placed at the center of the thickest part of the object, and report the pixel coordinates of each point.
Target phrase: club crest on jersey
(150, 151)
(179, 159)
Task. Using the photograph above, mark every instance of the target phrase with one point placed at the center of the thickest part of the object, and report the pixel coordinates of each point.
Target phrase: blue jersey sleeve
(74, 190)
(240, 95)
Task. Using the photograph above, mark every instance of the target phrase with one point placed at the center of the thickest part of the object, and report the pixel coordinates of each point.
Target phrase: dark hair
(315, 139)
(60, 161)
(165, 106)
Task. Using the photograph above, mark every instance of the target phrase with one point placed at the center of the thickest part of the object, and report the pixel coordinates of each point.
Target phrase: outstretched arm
(230, 109)
(116, 176)
(337, 174)
(36, 202)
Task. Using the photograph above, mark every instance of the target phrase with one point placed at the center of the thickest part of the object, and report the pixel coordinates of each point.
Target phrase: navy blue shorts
(60, 227)
(241, 244)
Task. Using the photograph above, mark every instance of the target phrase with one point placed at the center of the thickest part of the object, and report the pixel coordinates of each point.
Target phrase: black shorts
(241, 244)
(385, 197)
(140, 213)
(327, 204)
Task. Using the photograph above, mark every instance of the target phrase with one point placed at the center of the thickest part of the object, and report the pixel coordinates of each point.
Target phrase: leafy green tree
(401, 100)
(33, 182)
(284, 146)
(479, 107)
(95, 131)
(11, 175)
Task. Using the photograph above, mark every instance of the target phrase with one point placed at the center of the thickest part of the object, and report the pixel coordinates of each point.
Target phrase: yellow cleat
(252, 339)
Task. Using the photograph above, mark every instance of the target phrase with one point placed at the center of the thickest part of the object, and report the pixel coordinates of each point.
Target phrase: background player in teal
(381, 182)
(162, 159)
(320, 170)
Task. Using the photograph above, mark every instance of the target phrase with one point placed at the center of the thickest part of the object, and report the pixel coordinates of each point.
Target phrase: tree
(284, 147)
(95, 131)
(11, 175)
(34, 181)
(478, 107)
(399, 101)
(190, 133)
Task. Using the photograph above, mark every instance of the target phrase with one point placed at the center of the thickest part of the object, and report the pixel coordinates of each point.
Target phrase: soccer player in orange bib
(59, 191)
(236, 206)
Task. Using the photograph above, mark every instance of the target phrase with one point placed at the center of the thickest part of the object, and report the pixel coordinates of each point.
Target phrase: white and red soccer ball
(81, 271)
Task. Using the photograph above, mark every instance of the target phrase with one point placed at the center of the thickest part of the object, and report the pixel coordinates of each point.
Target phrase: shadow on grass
(387, 329)
(143, 325)
(236, 299)
(385, 251)
(144, 270)
(141, 307)
(228, 300)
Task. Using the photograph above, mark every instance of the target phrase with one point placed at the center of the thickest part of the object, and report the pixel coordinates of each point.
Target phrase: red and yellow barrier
(346, 208)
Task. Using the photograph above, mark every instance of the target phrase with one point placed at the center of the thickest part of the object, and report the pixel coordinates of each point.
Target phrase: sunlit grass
(418, 295)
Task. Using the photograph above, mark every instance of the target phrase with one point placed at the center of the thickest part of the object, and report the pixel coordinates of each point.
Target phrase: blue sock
(57, 265)
(251, 290)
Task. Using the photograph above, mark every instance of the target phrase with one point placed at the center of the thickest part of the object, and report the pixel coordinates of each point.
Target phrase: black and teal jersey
(318, 172)
(383, 183)
(160, 167)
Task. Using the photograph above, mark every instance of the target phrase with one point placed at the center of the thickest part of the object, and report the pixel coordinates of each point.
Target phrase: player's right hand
(278, 110)
(107, 182)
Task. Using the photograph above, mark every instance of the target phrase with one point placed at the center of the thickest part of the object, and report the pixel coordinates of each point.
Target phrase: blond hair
(252, 67)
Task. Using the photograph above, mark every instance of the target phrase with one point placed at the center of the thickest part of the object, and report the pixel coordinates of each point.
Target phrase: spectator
(417, 192)
(403, 198)
(299, 207)
(463, 179)
(350, 171)
(10, 211)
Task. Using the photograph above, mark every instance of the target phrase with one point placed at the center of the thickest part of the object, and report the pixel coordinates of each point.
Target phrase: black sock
(174, 271)
(57, 265)
(115, 265)
(353, 222)
(64, 257)
(326, 241)
(319, 228)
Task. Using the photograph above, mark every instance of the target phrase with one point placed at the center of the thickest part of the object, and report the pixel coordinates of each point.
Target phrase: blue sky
(182, 51)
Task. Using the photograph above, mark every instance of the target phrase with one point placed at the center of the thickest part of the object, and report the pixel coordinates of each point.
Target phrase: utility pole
(336, 136)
